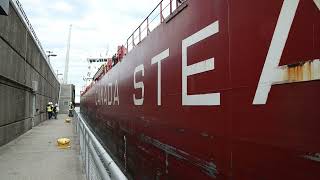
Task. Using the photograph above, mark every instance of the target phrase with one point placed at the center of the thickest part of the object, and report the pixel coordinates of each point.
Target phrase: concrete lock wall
(67, 95)
(27, 82)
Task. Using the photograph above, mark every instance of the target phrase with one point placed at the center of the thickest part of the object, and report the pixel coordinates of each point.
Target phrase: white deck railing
(97, 162)
(157, 16)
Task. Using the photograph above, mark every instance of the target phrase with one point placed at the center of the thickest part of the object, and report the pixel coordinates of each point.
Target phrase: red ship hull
(239, 95)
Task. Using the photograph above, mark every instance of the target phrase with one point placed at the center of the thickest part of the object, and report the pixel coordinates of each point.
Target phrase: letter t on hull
(157, 59)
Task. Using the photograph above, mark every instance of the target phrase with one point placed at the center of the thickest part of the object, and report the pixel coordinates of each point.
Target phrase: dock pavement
(36, 156)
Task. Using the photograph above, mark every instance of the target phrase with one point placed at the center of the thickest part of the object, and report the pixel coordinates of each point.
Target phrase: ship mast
(66, 68)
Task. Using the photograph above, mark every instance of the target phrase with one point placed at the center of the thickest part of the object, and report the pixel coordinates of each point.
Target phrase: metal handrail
(132, 37)
(107, 168)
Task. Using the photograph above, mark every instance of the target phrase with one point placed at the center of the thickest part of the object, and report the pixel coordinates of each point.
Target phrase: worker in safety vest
(49, 110)
(71, 107)
(55, 110)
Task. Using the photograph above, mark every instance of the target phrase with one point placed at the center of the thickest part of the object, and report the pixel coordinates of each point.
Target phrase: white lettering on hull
(105, 96)
(109, 94)
(138, 85)
(212, 99)
(272, 73)
(116, 94)
(157, 59)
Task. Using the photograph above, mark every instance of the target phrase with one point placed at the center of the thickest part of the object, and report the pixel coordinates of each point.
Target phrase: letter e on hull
(212, 99)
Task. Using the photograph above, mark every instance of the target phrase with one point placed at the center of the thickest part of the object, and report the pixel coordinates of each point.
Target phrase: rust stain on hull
(300, 72)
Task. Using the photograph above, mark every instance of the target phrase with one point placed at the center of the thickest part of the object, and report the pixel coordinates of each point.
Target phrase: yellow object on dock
(63, 143)
(68, 120)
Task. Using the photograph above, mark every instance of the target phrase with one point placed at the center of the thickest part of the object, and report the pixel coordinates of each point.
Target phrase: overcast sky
(97, 25)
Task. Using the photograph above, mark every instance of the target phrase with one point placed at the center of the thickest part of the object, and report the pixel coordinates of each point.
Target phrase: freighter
(221, 89)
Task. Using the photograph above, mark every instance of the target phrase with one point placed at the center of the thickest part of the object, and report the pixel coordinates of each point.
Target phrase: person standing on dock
(49, 110)
(71, 107)
(55, 110)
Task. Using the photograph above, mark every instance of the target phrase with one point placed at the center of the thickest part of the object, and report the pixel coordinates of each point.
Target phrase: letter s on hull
(139, 85)
(212, 99)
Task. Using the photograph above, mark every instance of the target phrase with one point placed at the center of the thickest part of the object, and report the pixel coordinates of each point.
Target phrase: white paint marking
(109, 94)
(104, 95)
(157, 59)
(313, 157)
(116, 94)
(270, 73)
(139, 85)
(211, 99)
(305, 71)
(203, 66)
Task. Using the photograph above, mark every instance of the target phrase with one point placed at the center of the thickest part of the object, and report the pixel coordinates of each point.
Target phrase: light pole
(60, 81)
(50, 53)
